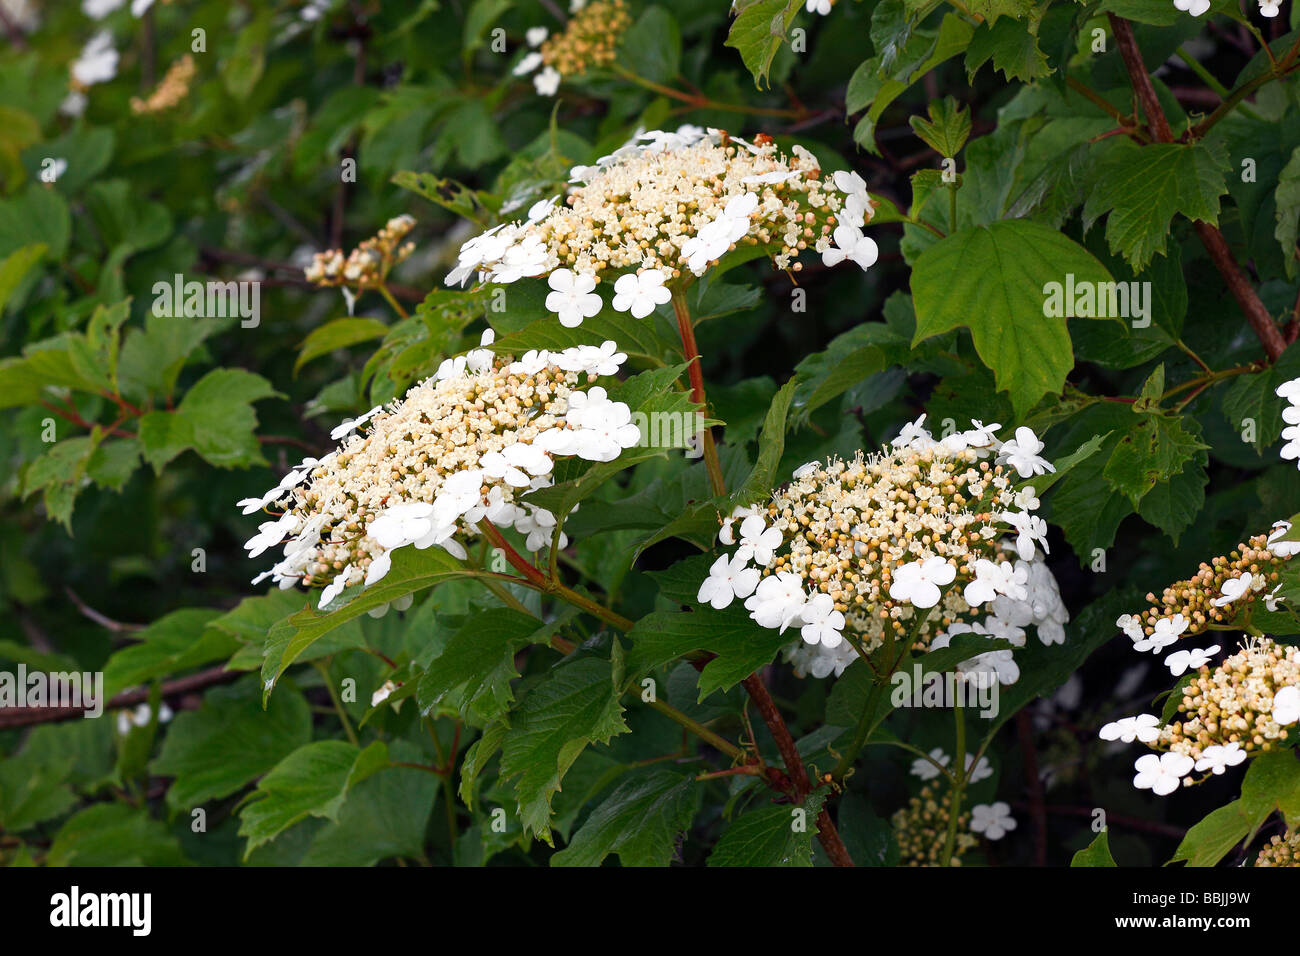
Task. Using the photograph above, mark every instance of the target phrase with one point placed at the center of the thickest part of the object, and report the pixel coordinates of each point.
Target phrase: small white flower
(1160, 773)
(993, 579)
(335, 587)
(725, 536)
(1143, 727)
(1233, 589)
(529, 63)
(1180, 661)
(640, 293)
(1167, 630)
(572, 299)
(1286, 705)
(1131, 626)
(918, 582)
(926, 769)
(823, 623)
(1219, 757)
(728, 578)
(994, 820)
(381, 695)
(547, 81)
(536, 36)
(1283, 549)
(1270, 8)
(1021, 453)
(777, 601)
(852, 245)
(1194, 7)
(981, 771)
(913, 436)
(758, 541)
(97, 62)
(401, 525)
(379, 567)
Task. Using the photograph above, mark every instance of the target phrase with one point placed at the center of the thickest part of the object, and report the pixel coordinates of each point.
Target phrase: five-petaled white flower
(918, 582)
(729, 578)
(1219, 757)
(1194, 7)
(639, 293)
(1160, 773)
(994, 820)
(1143, 727)
(572, 298)
(1180, 661)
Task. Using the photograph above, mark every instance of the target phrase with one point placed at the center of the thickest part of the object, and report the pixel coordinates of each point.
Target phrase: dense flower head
(173, 88)
(921, 828)
(589, 39)
(1244, 701)
(1216, 595)
(1281, 850)
(859, 548)
(1242, 707)
(368, 265)
(458, 448)
(674, 202)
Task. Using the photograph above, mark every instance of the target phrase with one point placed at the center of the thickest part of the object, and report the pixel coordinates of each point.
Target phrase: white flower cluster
(1291, 415)
(454, 451)
(855, 549)
(668, 202)
(1241, 707)
(1267, 8)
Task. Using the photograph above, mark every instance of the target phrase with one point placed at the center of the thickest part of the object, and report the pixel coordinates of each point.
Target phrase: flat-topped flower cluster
(671, 203)
(1240, 708)
(458, 449)
(917, 540)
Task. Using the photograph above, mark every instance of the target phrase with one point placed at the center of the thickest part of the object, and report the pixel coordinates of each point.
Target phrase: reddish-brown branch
(1037, 801)
(1266, 330)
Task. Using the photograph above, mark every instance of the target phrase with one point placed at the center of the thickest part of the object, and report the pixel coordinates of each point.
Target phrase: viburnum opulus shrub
(837, 433)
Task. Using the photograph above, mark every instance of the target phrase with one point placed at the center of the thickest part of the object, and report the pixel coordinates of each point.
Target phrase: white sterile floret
(994, 820)
(1166, 632)
(823, 624)
(728, 578)
(1270, 8)
(1286, 705)
(926, 769)
(913, 436)
(1022, 454)
(919, 582)
(527, 64)
(739, 513)
(639, 293)
(1217, 758)
(777, 601)
(1131, 626)
(1143, 727)
(572, 298)
(758, 542)
(852, 245)
(1194, 7)
(1233, 589)
(547, 81)
(1181, 661)
(1161, 773)
(1283, 549)
(993, 579)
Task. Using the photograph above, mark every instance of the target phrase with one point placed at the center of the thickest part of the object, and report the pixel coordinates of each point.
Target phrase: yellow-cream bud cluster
(368, 265)
(921, 829)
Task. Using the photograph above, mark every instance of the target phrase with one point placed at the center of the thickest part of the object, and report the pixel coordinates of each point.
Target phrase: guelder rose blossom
(666, 207)
(911, 541)
(456, 450)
